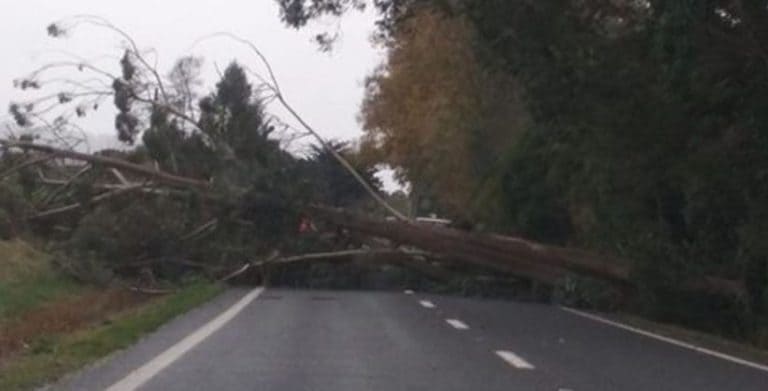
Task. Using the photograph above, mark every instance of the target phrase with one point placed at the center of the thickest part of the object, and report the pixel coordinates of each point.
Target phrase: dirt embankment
(62, 316)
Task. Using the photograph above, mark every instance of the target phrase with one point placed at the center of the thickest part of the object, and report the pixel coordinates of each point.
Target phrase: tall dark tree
(330, 183)
(646, 136)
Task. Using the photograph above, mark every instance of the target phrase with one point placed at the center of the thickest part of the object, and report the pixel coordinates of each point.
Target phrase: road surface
(344, 341)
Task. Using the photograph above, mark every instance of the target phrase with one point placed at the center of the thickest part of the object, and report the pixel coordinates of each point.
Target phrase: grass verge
(51, 356)
(28, 280)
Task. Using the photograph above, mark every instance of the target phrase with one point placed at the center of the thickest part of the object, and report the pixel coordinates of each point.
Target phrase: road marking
(668, 340)
(514, 360)
(140, 376)
(427, 304)
(408, 292)
(457, 324)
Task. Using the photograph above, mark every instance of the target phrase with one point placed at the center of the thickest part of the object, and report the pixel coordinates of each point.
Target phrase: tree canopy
(632, 127)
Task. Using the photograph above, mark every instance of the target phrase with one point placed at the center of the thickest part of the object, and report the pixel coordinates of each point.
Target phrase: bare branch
(111, 162)
(273, 84)
(197, 231)
(371, 191)
(98, 198)
(341, 254)
(134, 49)
(69, 64)
(29, 162)
(273, 80)
(332, 255)
(236, 273)
(169, 108)
(119, 176)
(84, 84)
(273, 255)
(64, 185)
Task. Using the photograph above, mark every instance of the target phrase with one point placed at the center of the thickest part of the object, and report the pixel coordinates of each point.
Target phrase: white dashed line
(457, 324)
(138, 377)
(514, 360)
(408, 292)
(427, 304)
(668, 340)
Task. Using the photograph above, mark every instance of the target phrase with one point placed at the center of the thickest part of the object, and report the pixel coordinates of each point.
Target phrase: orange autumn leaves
(432, 109)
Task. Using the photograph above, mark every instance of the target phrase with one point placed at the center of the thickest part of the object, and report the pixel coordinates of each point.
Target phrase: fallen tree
(219, 146)
(544, 263)
(539, 262)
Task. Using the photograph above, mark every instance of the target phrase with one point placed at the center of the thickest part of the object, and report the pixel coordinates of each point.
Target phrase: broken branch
(110, 162)
(98, 198)
(21, 166)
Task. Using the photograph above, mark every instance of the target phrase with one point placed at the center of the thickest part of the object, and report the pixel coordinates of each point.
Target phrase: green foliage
(27, 279)
(654, 135)
(252, 209)
(119, 233)
(14, 207)
(329, 183)
(647, 136)
(175, 150)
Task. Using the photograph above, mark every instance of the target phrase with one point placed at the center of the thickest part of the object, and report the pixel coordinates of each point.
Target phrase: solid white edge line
(668, 340)
(427, 304)
(514, 360)
(457, 324)
(140, 376)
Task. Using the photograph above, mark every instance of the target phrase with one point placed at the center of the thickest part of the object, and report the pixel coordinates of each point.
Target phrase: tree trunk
(539, 262)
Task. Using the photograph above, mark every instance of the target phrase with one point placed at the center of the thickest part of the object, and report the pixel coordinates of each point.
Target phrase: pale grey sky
(325, 88)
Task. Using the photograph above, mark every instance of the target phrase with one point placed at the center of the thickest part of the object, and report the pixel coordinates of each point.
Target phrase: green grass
(50, 357)
(16, 298)
(27, 279)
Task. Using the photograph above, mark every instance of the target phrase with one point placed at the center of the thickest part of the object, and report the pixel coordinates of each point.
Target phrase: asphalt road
(339, 341)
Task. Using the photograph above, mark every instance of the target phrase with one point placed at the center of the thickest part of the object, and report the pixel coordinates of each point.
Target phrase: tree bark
(544, 263)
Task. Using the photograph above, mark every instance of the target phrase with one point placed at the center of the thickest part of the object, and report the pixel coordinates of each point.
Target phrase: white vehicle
(433, 221)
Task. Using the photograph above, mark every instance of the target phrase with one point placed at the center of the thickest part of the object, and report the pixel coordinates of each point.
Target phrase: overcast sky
(325, 88)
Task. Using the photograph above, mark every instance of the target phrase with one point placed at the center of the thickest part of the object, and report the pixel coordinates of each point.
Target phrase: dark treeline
(635, 128)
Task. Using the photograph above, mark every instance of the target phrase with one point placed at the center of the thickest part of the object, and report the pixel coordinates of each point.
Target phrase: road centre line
(427, 304)
(514, 360)
(668, 340)
(140, 376)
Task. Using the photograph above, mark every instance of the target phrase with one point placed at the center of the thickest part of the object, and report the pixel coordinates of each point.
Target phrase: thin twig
(102, 22)
(371, 191)
(98, 198)
(278, 95)
(210, 224)
(64, 185)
